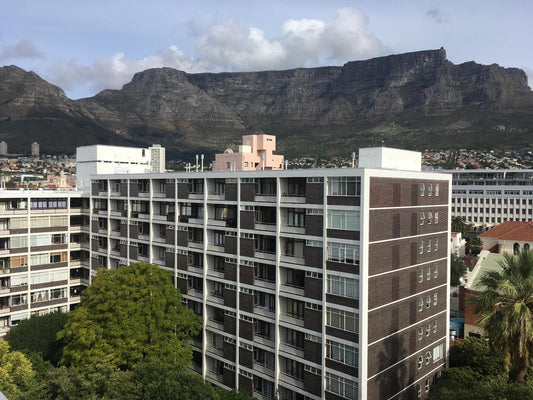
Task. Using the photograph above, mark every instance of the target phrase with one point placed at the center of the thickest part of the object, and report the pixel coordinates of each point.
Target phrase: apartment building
(312, 284)
(44, 253)
(486, 198)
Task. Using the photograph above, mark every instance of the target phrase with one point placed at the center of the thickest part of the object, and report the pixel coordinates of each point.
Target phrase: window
(294, 338)
(343, 252)
(219, 238)
(39, 277)
(435, 326)
(420, 275)
(428, 301)
(428, 330)
(421, 247)
(295, 308)
(341, 353)
(343, 286)
(18, 299)
(437, 189)
(422, 218)
(420, 304)
(430, 189)
(296, 217)
(341, 386)
(428, 357)
(427, 385)
(428, 245)
(420, 361)
(430, 217)
(434, 299)
(344, 186)
(436, 244)
(428, 273)
(438, 352)
(294, 368)
(341, 319)
(435, 271)
(420, 333)
(343, 219)
(422, 189)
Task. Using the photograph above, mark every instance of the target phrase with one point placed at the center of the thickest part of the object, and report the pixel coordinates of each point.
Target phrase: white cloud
(230, 47)
(304, 42)
(16, 51)
(112, 72)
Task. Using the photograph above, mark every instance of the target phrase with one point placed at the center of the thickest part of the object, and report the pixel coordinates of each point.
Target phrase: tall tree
(15, 371)
(38, 335)
(459, 225)
(505, 305)
(458, 269)
(129, 315)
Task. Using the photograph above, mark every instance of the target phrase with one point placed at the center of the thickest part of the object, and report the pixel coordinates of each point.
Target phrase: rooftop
(511, 230)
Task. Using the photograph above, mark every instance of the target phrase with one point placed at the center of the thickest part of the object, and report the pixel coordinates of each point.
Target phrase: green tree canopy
(458, 269)
(15, 371)
(506, 308)
(476, 354)
(129, 315)
(459, 225)
(38, 335)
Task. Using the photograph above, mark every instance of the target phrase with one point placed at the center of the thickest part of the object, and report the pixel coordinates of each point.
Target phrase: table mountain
(413, 100)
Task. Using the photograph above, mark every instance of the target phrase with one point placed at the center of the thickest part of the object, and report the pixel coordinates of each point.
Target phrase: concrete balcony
(292, 320)
(265, 255)
(196, 245)
(292, 259)
(296, 290)
(211, 323)
(265, 369)
(294, 199)
(215, 247)
(297, 230)
(215, 299)
(291, 350)
(265, 198)
(196, 221)
(270, 227)
(297, 383)
(216, 222)
(215, 351)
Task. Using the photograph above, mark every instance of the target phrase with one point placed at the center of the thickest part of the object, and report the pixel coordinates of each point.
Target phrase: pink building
(255, 153)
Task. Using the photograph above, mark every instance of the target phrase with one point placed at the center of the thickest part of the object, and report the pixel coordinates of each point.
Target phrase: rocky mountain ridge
(412, 100)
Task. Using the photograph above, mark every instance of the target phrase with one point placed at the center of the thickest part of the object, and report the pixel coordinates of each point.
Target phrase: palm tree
(459, 225)
(505, 306)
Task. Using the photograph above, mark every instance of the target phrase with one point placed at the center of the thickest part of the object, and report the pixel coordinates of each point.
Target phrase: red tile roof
(511, 230)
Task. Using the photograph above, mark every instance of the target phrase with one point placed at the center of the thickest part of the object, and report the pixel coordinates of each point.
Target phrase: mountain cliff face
(413, 100)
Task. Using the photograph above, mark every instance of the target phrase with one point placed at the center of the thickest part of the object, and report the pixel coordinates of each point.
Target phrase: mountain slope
(414, 100)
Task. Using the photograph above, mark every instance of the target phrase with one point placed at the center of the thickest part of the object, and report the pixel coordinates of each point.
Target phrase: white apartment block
(486, 198)
(102, 159)
(44, 253)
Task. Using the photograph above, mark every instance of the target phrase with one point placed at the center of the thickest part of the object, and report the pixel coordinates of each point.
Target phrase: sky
(87, 46)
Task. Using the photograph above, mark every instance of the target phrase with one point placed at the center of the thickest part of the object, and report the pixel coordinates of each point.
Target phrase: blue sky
(88, 46)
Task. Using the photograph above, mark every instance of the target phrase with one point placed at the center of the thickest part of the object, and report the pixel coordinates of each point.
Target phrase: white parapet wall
(388, 158)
